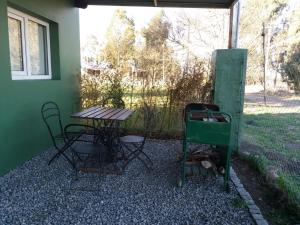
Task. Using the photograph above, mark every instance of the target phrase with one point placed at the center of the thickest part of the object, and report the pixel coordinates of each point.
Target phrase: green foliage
(193, 87)
(90, 90)
(290, 185)
(157, 32)
(277, 10)
(272, 128)
(142, 75)
(156, 57)
(100, 87)
(250, 35)
(282, 217)
(239, 203)
(115, 92)
(291, 68)
(282, 35)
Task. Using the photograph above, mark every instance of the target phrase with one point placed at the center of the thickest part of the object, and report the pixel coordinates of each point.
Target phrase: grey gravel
(36, 193)
(253, 209)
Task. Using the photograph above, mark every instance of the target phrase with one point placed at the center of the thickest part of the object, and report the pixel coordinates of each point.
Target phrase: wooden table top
(103, 113)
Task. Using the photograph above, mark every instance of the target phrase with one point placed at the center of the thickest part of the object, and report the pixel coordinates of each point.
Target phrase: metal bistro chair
(134, 145)
(75, 137)
(88, 153)
(52, 118)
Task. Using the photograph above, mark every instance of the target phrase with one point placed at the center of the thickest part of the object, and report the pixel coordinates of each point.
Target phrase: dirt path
(286, 100)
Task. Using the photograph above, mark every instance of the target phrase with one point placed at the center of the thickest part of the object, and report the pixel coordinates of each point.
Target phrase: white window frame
(26, 73)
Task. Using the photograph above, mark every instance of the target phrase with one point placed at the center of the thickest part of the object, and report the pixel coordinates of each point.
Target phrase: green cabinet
(229, 87)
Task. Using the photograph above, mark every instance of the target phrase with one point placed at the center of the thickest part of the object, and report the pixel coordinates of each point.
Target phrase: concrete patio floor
(36, 193)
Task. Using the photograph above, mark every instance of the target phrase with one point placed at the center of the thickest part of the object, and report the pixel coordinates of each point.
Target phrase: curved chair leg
(134, 156)
(69, 160)
(147, 157)
(137, 153)
(143, 153)
(54, 157)
(130, 157)
(57, 156)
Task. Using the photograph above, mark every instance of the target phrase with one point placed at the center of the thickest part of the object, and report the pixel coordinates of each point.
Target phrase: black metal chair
(83, 141)
(87, 153)
(52, 118)
(134, 145)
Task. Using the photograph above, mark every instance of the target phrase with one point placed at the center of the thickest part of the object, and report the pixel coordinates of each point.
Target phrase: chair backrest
(51, 116)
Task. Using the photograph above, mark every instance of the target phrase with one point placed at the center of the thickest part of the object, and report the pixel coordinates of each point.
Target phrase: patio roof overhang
(160, 3)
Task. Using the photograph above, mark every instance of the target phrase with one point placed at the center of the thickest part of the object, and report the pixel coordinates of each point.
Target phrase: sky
(96, 19)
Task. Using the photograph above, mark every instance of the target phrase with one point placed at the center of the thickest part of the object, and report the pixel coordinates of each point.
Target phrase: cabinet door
(230, 72)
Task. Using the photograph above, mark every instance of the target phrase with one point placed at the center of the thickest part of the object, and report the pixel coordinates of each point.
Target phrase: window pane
(37, 40)
(15, 44)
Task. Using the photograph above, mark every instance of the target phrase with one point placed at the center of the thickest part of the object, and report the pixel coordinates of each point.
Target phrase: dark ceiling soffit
(81, 4)
(161, 3)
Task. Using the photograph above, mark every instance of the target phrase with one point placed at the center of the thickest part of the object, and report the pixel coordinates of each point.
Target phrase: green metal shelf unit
(209, 131)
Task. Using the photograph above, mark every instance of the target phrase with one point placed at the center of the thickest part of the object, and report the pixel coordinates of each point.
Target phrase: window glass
(15, 44)
(29, 46)
(37, 40)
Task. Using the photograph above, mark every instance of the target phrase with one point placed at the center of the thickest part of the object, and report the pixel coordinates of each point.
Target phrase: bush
(166, 99)
(97, 86)
(291, 68)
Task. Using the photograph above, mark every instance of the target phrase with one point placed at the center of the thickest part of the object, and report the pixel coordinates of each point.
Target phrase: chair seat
(88, 148)
(132, 139)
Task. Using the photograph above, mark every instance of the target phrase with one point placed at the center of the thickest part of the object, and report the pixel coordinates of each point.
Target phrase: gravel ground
(36, 193)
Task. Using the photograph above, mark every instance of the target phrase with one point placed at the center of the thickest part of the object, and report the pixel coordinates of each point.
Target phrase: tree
(283, 31)
(157, 32)
(285, 43)
(118, 52)
(197, 36)
(156, 56)
(120, 44)
(253, 14)
(291, 68)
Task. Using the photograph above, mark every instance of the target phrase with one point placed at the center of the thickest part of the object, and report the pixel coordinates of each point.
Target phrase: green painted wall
(22, 132)
(229, 89)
